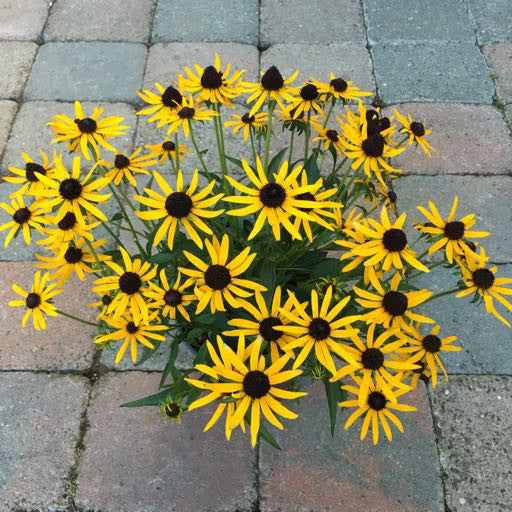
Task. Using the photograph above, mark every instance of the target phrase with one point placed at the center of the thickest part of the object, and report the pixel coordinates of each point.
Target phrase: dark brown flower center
(431, 343)
(67, 222)
(211, 78)
(73, 255)
(121, 161)
(272, 195)
(394, 240)
(21, 215)
(169, 145)
(417, 129)
(306, 196)
(309, 92)
(247, 119)
(377, 401)
(131, 327)
(178, 204)
(374, 145)
(372, 115)
(267, 328)
(172, 410)
(86, 125)
(30, 171)
(338, 84)
(319, 329)
(217, 277)
(372, 359)
(256, 384)
(70, 189)
(172, 298)
(483, 278)
(454, 230)
(130, 283)
(171, 97)
(106, 300)
(395, 303)
(392, 196)
(186, 113)
(272, 80)
(33, 300)
(332, 135)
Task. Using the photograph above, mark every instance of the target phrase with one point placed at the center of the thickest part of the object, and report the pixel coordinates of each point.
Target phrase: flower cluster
(270, 269)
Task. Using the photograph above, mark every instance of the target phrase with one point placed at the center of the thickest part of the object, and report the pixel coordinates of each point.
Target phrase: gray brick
(15, 61)
(23, 21)
(432, 72)
(123, 444)
(473, 416)
(206, 20)
(7, 112)
(322, 21)
(436, 20)
(508, 114)
(347, 61)
(316, 472)
(485, 341)
(87, 71)
(40, 418)
(103, 20)
(499, 57)
(469, 139)
(493, 19)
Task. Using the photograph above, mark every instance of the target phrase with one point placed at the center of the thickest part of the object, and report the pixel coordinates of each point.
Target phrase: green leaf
(268, 437)
(276, 162)
(147, 353)
(333, 397)
(312, 170)
(117, 216)
(155, 399)
(234, 160)
(161, 258)
(330, 267)
(173, 354)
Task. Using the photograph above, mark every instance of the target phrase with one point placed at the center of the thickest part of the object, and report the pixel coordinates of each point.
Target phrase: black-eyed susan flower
(482, 281)
(23, 217)
(425, 350)
(167, 151)
(179, 207)
(263, 321)
(170, 299)
(211, 83)
(220, 280)
(255, 387)
(309, 98)
(83, 130)
(66, 230)
(246, 122)
(377, 410)
(37, 301)
(125, 166)
(451, 234)
(329, 137)
(273, 86)
(387, 196)
(321, 330)
(188, 112)
(161, 104)
(416, 131)
(132, 331)
(275, 201)
(374, 361)
(76, 258)
(171, 410)
(128, 285)
(27, 177)
(103, 303)
(340, 89)
(286, 116)
(392, 308)
(71, 194)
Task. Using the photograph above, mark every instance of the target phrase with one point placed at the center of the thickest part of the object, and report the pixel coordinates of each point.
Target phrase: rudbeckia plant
(271, 270)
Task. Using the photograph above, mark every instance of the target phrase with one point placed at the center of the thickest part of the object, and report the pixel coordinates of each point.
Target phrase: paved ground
(65, 444)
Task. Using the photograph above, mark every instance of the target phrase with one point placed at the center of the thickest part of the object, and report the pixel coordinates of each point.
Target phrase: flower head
(339, 88)
(246, 123)
(125, 166)
(416, 131)
(167, 151)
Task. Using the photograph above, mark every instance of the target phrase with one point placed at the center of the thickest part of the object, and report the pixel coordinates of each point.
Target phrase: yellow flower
(416, 131)
(23, 217)
(340, 89)
(86, 130)
(329, 137)
(376, 410)
(38, 301)
(220, 279)
(161, 104)
(255, 387)
(179, 207)
(132, 330)
(171, 410)
(211, 83)
(167, 151)
(171, 298)
(246, 122)
(308, 98)
(124, 166)
(66, 230)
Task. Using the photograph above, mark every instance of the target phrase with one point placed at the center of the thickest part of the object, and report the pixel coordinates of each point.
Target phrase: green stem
(270, 107)
(327, 117)
(196, 148)
(254, 154)
(91, 248)
(114, 236)
(177, 152)
(442, 294)
(60, 312)
(308, 134)
(292, 136)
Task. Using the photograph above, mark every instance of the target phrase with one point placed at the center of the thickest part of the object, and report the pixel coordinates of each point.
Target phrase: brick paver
(472, 415)
(87, 71)
(499, 57)
(103, 20)
(315, 472)
(15, 60)
(39, 422)
(7, 112)
(134, 462)
(493, 20)
(23, 21)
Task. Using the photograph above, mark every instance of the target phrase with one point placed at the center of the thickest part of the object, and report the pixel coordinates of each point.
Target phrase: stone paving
(65, 445)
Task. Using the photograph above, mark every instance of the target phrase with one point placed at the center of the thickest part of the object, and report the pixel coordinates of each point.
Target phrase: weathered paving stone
(315, 472)
(15, 60)
(493, 19)
(485, 341)
(487, 197)
(508, 114)
(133, 461)
(317, 61)
(30, 131)
(472, 414)
(87, 71)
(499, 57)
(111, 20)
(469, 139)
(206, 20)
(432, 72)
(436, 20)
(7, 112)
(23, 20)
(292, 21)
(65, 345)
(39, 419)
